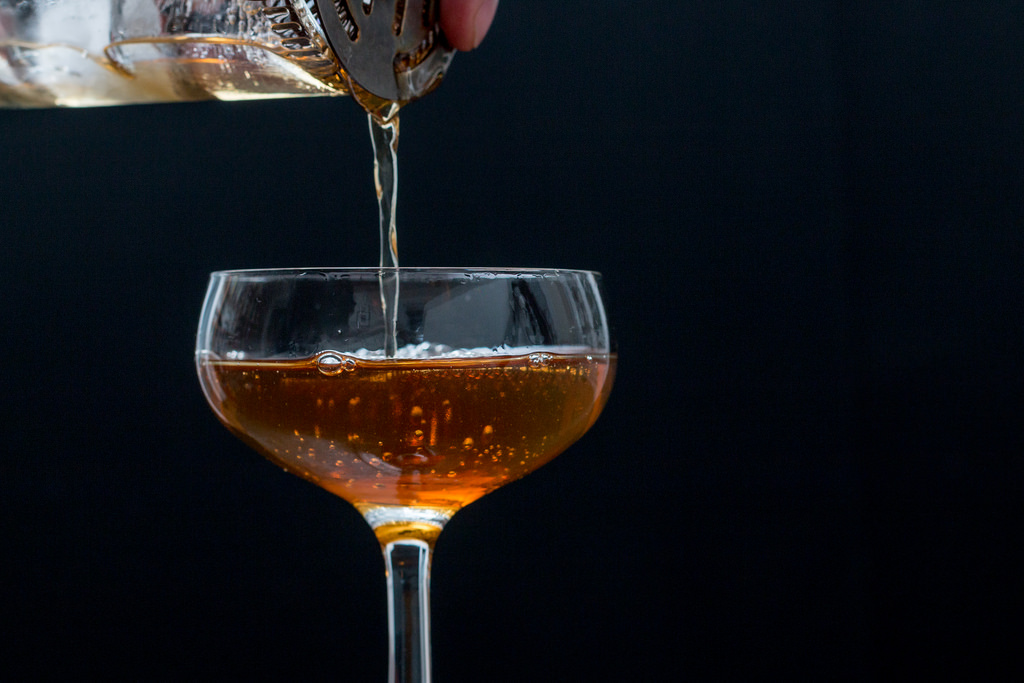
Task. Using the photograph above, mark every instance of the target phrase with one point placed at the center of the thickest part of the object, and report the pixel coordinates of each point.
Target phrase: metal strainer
(392, 49)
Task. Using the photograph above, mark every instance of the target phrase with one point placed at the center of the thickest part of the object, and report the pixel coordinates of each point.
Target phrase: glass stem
(408, 575)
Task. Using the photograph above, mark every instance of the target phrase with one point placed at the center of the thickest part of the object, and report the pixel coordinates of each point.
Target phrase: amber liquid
(434, 433)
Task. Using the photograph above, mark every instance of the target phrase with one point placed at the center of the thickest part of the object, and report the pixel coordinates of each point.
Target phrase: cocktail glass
(491, 374)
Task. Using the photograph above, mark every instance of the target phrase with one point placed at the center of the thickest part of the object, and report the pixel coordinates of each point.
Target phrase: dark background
(809, 217)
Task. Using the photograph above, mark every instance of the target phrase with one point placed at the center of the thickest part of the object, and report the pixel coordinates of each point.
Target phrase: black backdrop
(809, 219)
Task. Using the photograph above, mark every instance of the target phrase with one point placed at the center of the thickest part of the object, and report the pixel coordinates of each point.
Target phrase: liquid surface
(436, 433)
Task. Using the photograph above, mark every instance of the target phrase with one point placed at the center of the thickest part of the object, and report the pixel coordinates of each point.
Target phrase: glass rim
(503, 271)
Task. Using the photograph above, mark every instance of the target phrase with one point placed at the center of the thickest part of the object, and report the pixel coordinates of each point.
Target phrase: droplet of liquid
(334, 364)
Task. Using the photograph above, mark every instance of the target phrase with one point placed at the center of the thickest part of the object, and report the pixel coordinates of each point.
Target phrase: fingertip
(466, 22)
(483, 20)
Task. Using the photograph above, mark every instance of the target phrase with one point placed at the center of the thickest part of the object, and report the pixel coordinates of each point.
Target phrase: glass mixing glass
(493, 374)
(83, 53)
(80, 53)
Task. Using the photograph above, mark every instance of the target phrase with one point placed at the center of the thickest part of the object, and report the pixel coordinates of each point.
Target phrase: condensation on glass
(81, 53)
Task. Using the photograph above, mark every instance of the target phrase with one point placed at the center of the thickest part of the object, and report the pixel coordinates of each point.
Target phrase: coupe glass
(490, 374)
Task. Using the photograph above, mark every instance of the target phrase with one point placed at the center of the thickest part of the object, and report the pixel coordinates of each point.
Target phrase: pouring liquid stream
(384, 136)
